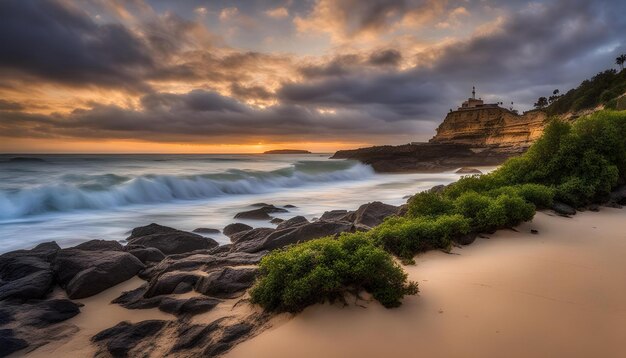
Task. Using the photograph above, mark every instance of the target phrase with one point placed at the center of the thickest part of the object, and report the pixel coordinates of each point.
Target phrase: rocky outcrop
(428, 157)
(491, 126)
(169, 240)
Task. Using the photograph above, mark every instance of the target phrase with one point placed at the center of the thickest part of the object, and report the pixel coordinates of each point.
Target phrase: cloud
(228, 13)
(277, 13)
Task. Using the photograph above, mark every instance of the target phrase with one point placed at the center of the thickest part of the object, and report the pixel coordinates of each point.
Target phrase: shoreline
(556, 293)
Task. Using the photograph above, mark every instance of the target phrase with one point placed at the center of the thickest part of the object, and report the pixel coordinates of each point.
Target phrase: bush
(326, 269)
(429, 204)
(405, 237)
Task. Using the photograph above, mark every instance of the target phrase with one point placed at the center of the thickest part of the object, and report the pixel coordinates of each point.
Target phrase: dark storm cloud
(385, 57)
(548, 45)
(50, 40)
(10, 105)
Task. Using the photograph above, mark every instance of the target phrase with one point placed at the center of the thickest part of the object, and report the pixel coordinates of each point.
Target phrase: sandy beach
(558, 293)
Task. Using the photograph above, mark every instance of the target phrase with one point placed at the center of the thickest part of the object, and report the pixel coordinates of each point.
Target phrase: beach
(558, 293)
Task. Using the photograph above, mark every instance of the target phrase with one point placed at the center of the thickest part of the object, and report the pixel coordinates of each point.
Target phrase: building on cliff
(482, 124)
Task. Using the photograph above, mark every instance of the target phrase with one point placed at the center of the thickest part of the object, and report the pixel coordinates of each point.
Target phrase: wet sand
(560, 293)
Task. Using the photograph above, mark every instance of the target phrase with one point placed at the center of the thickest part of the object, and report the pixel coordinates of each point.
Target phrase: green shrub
(540, 195)
(326, 269)
(405, 237)
(429, 204)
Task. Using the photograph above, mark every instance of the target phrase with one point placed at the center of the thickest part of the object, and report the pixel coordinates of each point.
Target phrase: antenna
(473, 92)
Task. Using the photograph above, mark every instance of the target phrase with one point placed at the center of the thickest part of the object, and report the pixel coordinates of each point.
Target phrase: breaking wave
(111, 191)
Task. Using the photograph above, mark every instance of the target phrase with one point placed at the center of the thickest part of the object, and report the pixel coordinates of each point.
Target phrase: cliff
(492, 126)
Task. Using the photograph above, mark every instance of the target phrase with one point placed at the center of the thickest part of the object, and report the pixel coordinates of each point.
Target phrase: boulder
(206, 230)
(191, 306)
(33, 286)
(9, 343)
(147, 254)
(230, 336)
(169, 240)
(99, 245)
(226, 282)
(168, 282)
(26, 274)
(86, 273)
(231, 229)
(465, 239)
(437, 189)
(251, 235)
(289, 206)
(276, 220)
(261, 213)
(293, 222)
(335, 215)
(466, 170)
(563, 209)
(48, 312)
(120, 339)
(373, 214)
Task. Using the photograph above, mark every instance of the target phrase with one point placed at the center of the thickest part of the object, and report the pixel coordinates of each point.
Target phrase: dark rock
(618, 195)
(276, 220)
(86, 273)
(33, 286)
(226, 282)
(125, 336)
(594, 208)
(402, 210)
(437, 189)
(45, 313)
(305, 233)
(99, 245)
(251, 235)
(466, 170)
(206, 230)
(261, 213)
(169, 240)
(465, 239)
(25, 274)
(335, 215)
(190, 336)
(9, 343)
(563, 209)
(47, 246)
(191, 306)
(220, 249)
(6, 316)
(289, 206)
(183, 287)
(147, 254)
(230, 336)
(168, 282)
(235, 228)
(293, 222)
(373, 214)
(534, 232)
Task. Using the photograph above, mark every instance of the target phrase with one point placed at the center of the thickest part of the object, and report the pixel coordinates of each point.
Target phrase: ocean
(75, 198)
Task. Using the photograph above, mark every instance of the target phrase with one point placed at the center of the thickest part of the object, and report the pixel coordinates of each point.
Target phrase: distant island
(287, 151)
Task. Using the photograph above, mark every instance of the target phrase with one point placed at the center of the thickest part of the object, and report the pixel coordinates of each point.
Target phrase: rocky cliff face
(497, 127)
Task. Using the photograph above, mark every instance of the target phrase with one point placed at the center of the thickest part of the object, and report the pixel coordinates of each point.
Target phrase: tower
(473, 92)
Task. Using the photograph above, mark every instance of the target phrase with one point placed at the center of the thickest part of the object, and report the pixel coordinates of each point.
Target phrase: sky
(245, 76)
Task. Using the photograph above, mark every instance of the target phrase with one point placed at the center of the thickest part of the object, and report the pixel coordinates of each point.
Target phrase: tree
(620, 60)
(554, 97)
(541, 102)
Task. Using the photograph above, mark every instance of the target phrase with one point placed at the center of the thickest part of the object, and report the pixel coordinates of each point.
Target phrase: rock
(465, 239)
(260, 205)
(251, 235)
(402, 210)
(206, 230)
(26, 274)
(618, 195)
(281, 238)
(534, 232)
(226, 282)
(196, 335)
(293, 222)
(220, 249)
(169, 240)
(147, 254)
(563, 209)
(9, 343)
(86, 273)
(276, 220)
(235, 228)
(191, 306)
(373, 214)
(335, 215)
(230, 336)
(437, 189)
(99, 245)
(289, 206)
(47, 246)
(6, 316)
(123, 337)
(168, 282)
(261, 213)
(466, 170)
(594, 208)
(45, 313)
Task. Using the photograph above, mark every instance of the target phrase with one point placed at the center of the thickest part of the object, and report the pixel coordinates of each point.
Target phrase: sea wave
(111, 191)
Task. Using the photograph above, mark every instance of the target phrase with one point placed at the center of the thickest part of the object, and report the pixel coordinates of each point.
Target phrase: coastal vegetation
(576, 164)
